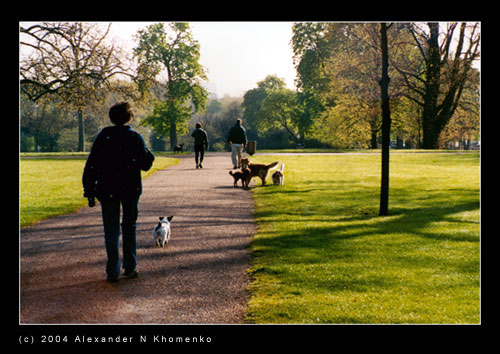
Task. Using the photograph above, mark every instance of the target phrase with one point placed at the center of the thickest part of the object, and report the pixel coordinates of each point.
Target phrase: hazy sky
(236, 54)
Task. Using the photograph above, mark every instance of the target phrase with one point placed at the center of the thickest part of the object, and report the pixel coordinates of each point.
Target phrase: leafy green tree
(176, 53)
(354, 69)
(253, 99)
(271, 110)
(42, 121)
(311, 53)
(279, 109)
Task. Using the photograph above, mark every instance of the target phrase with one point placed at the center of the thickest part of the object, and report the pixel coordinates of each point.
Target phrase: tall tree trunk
(81, 131)
(373, 141)
(432, 86)
(173, 135)
(386, 122)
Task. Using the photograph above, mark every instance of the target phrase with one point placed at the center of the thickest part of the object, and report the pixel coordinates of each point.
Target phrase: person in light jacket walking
(237, 138)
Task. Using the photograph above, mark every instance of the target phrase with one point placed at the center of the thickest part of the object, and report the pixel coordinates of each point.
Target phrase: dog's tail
(271, 165)
(231, 173)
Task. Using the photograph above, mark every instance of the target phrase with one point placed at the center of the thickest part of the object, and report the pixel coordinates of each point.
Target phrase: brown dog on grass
(244, 175)
(257, 169)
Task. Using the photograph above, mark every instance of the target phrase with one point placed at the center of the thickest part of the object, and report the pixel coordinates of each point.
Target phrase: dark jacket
(237, 135)
(200, 137)
(113, 168)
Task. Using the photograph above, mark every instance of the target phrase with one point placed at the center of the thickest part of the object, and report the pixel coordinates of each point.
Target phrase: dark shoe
(112, 279)
(201, 166)
(131, 275)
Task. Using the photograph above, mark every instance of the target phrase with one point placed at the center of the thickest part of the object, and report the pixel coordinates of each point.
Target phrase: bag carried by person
(251, 147)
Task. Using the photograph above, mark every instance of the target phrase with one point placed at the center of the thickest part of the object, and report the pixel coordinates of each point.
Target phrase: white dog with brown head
(279, 176)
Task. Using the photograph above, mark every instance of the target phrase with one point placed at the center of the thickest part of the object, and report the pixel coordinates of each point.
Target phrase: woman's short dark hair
(198, 125)
(120, 113)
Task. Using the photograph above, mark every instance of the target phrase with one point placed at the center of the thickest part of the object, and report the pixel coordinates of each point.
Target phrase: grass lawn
(323, 255)
(50, 187)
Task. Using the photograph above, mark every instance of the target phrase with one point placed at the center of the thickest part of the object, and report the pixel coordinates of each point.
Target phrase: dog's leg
(247, 181)
(263, 176)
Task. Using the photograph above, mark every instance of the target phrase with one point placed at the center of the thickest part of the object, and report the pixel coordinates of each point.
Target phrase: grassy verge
(50, 187)
(323, 255)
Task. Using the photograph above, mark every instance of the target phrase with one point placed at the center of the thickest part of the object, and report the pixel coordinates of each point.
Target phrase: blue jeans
(111, 222)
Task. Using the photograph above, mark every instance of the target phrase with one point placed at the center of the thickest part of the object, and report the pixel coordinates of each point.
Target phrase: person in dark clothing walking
(237, 138)
(200, 144)
(112, 174)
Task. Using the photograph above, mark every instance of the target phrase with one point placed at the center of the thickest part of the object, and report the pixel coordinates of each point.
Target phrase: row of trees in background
(432, 80)
(74, 64)
(74, 74)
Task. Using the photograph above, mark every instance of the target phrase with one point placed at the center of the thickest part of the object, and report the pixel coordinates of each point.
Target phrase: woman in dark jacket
(112, 174)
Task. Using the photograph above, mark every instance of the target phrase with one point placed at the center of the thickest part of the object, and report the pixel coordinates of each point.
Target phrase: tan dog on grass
(257, 169)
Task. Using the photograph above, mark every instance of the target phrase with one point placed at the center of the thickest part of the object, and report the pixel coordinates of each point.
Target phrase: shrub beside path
(201, 277)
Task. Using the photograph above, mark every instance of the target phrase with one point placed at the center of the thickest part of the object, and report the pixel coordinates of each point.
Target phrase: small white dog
(161, 232)
(279, 176)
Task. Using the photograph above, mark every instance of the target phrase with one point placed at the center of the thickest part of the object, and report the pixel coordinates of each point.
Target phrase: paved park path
(201, 277)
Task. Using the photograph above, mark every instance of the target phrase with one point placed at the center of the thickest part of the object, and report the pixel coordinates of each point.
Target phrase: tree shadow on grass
(401, 220)
(326, 246)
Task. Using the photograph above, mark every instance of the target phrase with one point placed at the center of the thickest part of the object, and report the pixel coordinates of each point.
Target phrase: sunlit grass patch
(323, 255)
